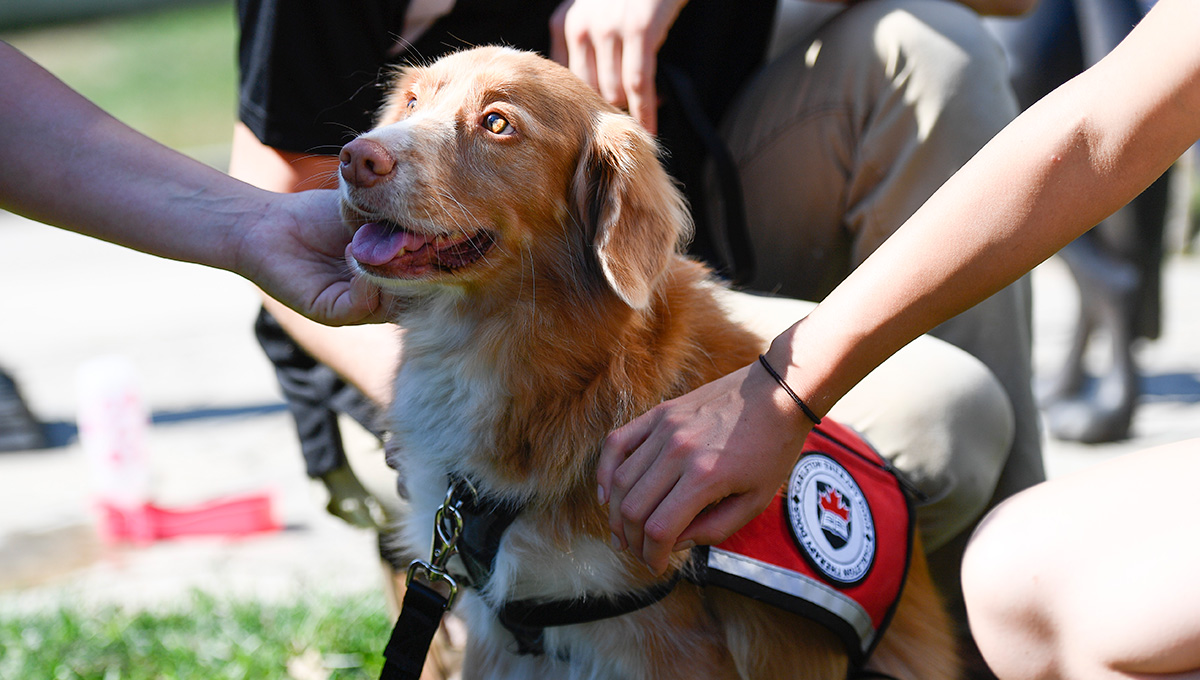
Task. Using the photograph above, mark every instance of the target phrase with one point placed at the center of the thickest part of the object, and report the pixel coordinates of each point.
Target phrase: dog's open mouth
(388, 249)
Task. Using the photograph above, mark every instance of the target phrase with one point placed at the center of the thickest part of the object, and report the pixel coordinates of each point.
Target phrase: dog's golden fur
(571, 313)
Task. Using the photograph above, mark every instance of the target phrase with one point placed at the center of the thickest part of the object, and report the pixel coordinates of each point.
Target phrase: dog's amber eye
(497, 124)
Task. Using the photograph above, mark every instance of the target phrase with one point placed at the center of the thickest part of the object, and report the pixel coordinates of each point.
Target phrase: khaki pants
(838, 141)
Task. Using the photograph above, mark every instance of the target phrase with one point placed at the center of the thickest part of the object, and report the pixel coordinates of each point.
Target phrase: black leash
(420, 616)
(423, 606)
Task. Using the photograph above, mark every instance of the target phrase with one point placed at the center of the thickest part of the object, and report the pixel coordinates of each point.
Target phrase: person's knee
(1007, 593)
(979, 426)
(944, 420)
(944, 39)
(925, 87)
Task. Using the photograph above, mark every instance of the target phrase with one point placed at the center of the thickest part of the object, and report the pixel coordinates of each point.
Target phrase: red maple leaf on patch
(831, 501)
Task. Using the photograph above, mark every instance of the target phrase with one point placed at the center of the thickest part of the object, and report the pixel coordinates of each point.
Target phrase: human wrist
(768, 398)
(241, 239)
(796, 378)
(808, 412)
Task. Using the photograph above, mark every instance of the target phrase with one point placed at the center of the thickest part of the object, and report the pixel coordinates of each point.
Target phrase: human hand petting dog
(614, 47)
(297, 254)
(695, 469)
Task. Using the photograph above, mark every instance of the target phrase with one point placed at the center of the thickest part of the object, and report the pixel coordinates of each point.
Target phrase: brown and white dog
(533, 235)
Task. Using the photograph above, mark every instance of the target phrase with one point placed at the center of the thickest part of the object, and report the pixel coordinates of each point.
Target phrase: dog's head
(493, 170)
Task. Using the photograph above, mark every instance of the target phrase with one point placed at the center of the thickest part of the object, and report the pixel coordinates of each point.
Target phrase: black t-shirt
(313, 72)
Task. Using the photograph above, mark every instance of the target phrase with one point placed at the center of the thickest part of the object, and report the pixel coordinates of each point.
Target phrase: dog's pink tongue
(377, 243)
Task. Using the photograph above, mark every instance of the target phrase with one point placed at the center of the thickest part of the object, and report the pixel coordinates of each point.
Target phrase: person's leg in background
(841, 139)
(316, 395)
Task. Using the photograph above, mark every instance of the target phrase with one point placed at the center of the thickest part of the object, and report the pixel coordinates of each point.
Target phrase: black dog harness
(471, 527)
(845, 509)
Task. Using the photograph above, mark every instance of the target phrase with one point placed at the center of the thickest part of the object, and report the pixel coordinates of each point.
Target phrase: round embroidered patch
(830, 519)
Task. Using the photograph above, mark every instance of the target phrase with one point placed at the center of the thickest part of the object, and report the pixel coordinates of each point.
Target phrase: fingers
(608, 59)
(365, 301)
(655, 489)
(619, 443)
(645, 490)
(694, 469)
(718, 522)
(614, 52)
(627, 515)
(581, 59)
(558, 37)
(638, 71)
(614, 456)
(663, 530)
(573, 36)
(664, 512)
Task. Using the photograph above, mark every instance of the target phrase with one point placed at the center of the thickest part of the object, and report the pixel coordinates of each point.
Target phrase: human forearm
(65, 162)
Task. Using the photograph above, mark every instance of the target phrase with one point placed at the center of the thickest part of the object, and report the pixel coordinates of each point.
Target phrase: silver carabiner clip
(447, 527)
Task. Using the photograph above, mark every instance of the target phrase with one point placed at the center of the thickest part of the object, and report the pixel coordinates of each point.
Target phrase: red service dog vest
(833, 545)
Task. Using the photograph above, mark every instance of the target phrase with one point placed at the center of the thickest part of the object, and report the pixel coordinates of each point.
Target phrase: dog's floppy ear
(630, 208)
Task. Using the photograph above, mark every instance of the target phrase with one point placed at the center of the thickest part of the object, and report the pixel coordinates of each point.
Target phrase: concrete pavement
(219, 430)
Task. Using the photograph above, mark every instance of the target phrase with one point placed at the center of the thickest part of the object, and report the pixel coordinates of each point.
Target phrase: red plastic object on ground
(228, 517)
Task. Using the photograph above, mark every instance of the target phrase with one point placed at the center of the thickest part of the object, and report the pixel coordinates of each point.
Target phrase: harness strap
(543, 614)
(484, 523)
(420, 616)
(527, 619)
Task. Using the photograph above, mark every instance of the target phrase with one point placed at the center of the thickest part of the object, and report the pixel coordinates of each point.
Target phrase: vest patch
(833, 545)
(830, 519)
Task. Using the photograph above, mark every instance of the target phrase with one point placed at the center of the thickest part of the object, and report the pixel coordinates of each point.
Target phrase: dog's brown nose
(365, 162)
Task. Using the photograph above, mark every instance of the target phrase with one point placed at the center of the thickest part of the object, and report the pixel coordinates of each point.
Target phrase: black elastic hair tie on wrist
(762, 359)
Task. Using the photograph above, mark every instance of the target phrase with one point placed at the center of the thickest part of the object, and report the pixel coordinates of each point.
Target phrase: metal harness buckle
(447, 528)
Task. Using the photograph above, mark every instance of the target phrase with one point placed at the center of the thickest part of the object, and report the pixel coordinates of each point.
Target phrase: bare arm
(65, 162)
(1069, 161)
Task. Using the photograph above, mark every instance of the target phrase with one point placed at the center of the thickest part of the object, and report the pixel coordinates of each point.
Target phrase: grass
(330, 638)
(170, 73)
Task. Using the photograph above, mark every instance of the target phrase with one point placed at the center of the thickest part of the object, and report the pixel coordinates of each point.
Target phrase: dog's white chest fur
(443, 419)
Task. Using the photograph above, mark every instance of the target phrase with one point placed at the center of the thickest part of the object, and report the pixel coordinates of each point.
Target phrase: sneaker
(19, 430)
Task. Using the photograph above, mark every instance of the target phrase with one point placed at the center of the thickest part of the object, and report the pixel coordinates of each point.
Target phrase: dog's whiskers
(445, 193)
